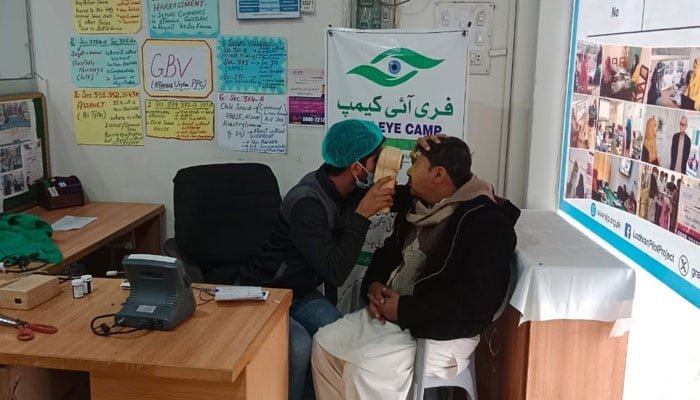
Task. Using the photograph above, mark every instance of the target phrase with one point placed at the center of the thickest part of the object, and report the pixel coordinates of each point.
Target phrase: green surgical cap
(350, 140)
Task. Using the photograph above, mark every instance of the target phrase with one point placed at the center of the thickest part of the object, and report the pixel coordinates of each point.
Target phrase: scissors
(26, 329)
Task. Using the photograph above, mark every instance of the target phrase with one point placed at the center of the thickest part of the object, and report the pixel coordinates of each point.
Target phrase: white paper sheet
(226, 293)
(70, 222)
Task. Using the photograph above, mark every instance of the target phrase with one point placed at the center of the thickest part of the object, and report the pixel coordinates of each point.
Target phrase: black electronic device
(161, 293)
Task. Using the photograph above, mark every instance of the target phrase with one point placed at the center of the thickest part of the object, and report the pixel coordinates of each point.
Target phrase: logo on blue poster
(628, 231)
(592, 209)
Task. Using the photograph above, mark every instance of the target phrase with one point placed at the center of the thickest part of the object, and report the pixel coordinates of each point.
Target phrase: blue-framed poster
(630, 150)
(264, 9)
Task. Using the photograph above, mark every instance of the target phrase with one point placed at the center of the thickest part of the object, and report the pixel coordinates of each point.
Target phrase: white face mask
(370, 179)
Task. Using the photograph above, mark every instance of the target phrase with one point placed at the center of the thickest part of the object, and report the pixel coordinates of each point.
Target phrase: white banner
(411, 83)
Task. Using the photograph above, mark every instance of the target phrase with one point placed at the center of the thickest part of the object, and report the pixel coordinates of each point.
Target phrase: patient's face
(419, 175)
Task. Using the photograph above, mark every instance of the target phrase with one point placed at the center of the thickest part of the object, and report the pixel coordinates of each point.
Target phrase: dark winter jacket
(466, 276)
(317, 239)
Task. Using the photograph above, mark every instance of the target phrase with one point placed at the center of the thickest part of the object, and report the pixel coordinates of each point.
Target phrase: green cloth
(27, 235)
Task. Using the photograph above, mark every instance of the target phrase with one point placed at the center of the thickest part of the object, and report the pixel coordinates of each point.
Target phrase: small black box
(61, 192)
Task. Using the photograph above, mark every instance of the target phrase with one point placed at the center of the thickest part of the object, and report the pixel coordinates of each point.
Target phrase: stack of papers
(226, 293)
(70, 222)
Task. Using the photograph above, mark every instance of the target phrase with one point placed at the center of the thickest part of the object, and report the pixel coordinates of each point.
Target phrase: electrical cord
(105, 330)
(207, 291)
(62, 277)
(393, 4)
(23, 268)
(22, 262)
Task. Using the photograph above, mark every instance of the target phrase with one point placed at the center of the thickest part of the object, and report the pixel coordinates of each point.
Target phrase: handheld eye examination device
(161, 293)
(388, 164)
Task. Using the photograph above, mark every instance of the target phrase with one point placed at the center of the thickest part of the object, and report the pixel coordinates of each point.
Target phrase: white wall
(13, 17)
(663, 356)
(144, 173)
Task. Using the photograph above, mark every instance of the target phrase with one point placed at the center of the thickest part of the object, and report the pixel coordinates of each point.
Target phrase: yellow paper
(184, 120)
(107, 16)
(108, 117)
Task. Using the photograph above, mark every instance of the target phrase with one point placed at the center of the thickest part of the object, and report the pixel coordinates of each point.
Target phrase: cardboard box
(29, 291)
(26, 383)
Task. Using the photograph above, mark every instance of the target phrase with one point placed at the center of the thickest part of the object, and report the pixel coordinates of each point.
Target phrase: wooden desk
(232, 350)
(140, 225)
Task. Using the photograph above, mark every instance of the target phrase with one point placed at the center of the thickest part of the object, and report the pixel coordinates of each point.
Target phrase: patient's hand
(376, 299)
(390, 308)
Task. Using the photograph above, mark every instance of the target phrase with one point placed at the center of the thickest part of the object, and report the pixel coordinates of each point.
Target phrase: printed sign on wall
(397, 80)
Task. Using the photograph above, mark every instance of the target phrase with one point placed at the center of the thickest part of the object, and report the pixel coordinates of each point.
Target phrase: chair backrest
(642, 84)
(644, 72)
(511, 287)
(223, 212)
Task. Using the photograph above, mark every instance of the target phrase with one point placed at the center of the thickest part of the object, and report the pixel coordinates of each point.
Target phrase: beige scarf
(429, 223)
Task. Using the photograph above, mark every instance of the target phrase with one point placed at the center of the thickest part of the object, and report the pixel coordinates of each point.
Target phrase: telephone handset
(388, 164)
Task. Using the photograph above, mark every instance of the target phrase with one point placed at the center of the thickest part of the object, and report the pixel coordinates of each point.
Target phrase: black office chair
(223, 213)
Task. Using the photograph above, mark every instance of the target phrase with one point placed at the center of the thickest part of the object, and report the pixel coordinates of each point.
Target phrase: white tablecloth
(562, 274)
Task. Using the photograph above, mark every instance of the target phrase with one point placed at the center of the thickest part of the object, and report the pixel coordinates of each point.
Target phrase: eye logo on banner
(394, 66)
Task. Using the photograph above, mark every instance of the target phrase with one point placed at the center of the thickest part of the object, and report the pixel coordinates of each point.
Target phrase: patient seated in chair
(441, 275)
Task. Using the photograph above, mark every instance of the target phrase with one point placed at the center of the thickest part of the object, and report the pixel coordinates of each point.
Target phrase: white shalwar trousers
(359, 358)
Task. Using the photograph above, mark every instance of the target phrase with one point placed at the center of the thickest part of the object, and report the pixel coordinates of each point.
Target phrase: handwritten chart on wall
(107, 16)
(104, 61)
(255, 123)
(177, 68)
(107, 117)
(252, 64)
(177, 18)
(184, 120)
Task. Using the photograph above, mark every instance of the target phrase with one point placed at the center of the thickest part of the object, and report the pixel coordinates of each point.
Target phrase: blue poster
(183, 18)
(252, 64)
(260, 9)
(104, 61)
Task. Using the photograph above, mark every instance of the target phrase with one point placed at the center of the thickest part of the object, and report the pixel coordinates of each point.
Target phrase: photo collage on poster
(15, 121)
(635, 133)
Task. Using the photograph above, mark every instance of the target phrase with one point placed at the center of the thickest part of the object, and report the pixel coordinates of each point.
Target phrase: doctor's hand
(378, 197)
(424, 141)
